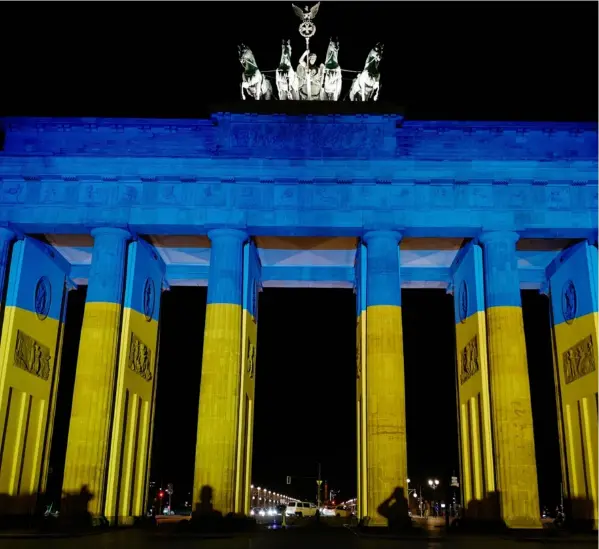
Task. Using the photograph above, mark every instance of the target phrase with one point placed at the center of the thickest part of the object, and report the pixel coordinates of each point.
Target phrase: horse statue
(331, 88)
(287, 80)
(366, 86)
(253, 83)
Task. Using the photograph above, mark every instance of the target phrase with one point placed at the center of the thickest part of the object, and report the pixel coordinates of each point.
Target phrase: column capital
(215, 234)
(369, 236)
(7, 234)
(491, 237)
(111, 231)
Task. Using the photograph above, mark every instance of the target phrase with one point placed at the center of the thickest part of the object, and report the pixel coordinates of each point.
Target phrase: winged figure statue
(308, 14)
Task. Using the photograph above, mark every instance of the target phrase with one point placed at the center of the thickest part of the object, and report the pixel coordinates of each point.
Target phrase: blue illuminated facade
(313, 201)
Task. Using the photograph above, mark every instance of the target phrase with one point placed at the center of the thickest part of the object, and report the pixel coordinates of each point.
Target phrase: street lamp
(411, 490)
(433, 483)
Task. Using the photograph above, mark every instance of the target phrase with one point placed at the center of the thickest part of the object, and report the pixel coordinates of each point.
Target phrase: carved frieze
(140, 358)
(307, 136)
(32, 356)
(579, 360)
(251, 359)
(469, 360)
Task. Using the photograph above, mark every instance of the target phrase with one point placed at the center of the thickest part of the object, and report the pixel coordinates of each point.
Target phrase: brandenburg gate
(240, 202)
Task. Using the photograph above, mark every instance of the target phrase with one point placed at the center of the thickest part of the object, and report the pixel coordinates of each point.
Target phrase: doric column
(572, 278)
(361, 439)
(91, 414)
(6, 238)
(29, 369)
(218, 415)
(476, 442)
(513, 437)
(385, 386)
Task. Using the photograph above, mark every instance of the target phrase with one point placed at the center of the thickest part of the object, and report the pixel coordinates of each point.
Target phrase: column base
(397, 524)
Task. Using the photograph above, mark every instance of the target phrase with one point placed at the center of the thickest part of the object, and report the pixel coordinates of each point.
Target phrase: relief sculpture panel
(469, 360)
(251, 359)
(140, 358)
(32, 356)
(579, 360)
(286, 136)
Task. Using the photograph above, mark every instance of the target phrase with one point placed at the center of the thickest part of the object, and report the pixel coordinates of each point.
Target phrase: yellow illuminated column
(513, 437)
(249, 330)
(385, 387)
(476, 444)
(91, 415)
(135, 386)
(218, 415)
(29, 368)
(573, 291)
(360, 268)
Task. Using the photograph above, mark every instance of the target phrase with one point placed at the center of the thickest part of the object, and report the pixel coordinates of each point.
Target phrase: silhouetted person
(395, 510)
(205, 507)
(75, 507)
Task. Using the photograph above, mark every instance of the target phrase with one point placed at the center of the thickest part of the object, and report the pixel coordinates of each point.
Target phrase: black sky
(483, 60)
(503, 60)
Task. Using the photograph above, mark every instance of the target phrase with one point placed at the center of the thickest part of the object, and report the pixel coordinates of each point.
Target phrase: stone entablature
(327, 175)
(337, 136)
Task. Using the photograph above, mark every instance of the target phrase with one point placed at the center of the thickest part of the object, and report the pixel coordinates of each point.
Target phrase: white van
(300, 509)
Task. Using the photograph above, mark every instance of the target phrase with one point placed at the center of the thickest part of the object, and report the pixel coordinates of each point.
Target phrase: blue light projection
(306, 187)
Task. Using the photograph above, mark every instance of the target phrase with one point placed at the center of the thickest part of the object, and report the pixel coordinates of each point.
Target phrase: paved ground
(298, 538)
(300, 534)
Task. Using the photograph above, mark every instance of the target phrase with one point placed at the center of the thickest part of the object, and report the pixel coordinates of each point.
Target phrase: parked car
(342, 511)
(300, 509)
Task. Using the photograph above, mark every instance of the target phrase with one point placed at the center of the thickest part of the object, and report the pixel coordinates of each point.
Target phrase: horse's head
(246, 57)
(375, 56)
(332, 54)
(378, 51)
(286, 48)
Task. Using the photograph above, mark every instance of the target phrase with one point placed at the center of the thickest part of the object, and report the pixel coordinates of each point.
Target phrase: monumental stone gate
(131, 207)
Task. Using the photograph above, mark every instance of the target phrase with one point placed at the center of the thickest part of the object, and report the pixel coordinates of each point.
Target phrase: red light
(161, 494)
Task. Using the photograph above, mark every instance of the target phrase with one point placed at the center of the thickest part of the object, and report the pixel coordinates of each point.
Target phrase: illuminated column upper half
(91, 414)
(218, 415)
(511, 412)
(6, 238)
(385, 385)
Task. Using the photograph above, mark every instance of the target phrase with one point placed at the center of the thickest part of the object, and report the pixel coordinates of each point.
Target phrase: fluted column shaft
(89, 431)
(214, 474)
(512, 426)
(385, 384)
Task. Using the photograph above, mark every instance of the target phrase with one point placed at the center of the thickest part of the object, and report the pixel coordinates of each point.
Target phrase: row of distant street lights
(262, 497)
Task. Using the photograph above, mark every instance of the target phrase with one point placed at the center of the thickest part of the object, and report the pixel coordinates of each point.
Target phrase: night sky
(506, 61)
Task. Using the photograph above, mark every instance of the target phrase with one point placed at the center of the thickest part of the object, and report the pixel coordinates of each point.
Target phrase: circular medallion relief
(149, 299)
(43, 297)
(463, 304)
(569, 301)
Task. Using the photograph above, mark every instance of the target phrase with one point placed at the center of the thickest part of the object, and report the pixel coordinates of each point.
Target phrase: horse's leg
(242, 92)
